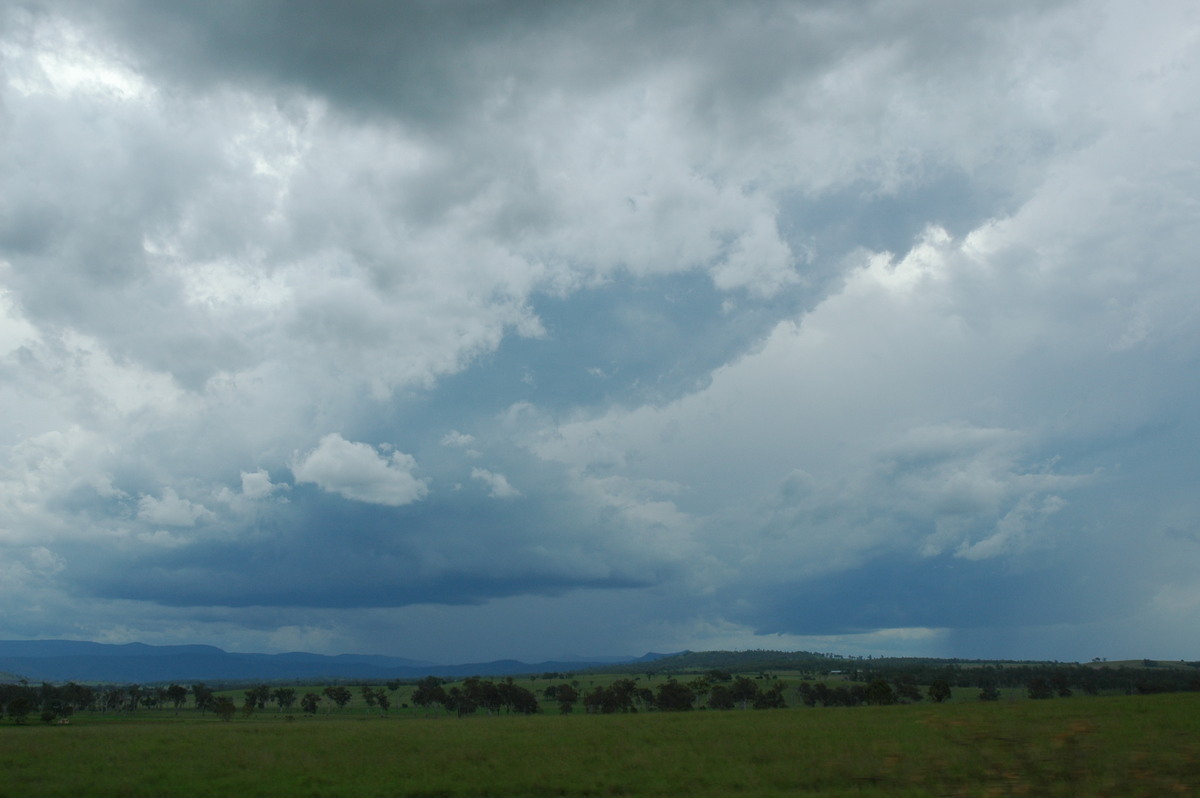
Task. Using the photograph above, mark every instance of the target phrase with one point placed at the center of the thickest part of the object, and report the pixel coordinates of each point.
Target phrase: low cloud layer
(474, 331)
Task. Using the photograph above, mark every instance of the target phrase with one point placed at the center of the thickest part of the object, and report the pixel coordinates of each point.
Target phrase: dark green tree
(744, 691)
(339, 695)
(284, 697)
(719, 697)
(177, 695)
(485, 694)
(429, 693)
(19, 708)
(701, 686)
(906, 689)
(1039, 687)
(459, 701)
(674, 697)
(597, 700)
(78, 696)
(224, 707)
(939, 691)
(879, 692)
(202, 696)
(259, 696)
(771, 698)
(622, 694)
(523, 701)
(566, 696)
(309, 703)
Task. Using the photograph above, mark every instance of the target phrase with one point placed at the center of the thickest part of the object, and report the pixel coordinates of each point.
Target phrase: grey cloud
(318, 552)
(747, 301)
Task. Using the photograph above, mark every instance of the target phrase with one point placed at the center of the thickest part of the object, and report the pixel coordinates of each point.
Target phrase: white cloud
(45, 561)
(457, 439)
(498, 487)
(258, 484)
(15, 331)
(356, 471)
(162, 538)
(171, 510)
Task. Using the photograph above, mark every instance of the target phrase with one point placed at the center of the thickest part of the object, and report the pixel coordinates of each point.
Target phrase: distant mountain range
(70, 660)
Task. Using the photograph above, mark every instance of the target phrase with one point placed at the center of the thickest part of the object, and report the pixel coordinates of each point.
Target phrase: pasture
(1103, 746)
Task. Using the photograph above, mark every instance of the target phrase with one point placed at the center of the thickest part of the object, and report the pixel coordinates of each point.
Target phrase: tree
(596, 700)
(224, 707)
(700, 686)
(823, 694)
(1039, 687)
(259, 696)
(879, 692)
(989, 680)
(202, 696)
(524, 701)
(484, 694)
(623, 692)
(674, 697)
(284, 697)
(515, 698)
(429, 692)
(989, 692)
(907, 690)
(719, 697)
(771, 698)
(339, 695)
(459, 701)
(382, 699)
(177, 695)
(939, 691)
(113, 699)
(744, 691)
(256, 698)
(309, 703)
(77, 696)
(566, 696)
(19, 708)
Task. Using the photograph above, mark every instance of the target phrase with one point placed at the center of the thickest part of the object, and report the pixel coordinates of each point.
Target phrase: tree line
(715, 689)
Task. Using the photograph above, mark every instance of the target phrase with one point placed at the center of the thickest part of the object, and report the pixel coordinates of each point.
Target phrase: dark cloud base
(944, 592)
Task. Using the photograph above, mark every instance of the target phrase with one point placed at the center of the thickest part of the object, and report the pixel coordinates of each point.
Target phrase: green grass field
(1106, 746)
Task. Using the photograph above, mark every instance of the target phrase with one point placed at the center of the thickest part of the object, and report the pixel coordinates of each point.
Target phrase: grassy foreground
(1110, 746)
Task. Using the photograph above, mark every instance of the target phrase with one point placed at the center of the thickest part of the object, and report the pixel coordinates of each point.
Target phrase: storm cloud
(474, 330)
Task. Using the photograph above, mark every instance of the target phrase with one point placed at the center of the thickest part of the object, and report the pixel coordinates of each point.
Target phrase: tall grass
(1135, 745)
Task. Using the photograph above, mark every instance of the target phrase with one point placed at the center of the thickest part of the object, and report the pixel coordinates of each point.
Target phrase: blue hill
(82, 661)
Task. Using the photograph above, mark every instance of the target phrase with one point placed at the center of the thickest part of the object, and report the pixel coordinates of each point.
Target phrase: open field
(1121, 745)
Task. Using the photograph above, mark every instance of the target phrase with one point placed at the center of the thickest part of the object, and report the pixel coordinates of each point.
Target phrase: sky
(461, 331)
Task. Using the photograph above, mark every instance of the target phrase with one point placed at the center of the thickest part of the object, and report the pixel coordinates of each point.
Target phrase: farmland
(1106, 745)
